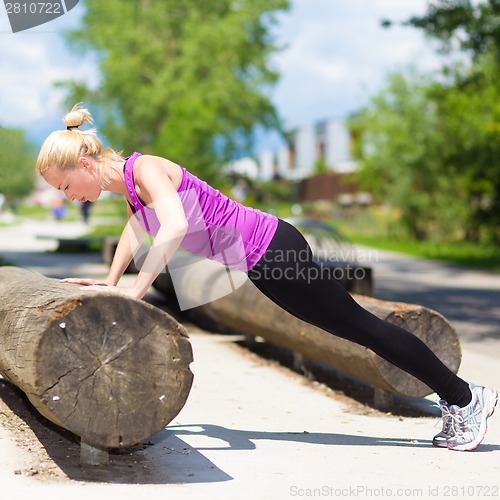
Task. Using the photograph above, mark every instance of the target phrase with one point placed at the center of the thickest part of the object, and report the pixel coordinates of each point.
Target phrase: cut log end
(110, 369)
(435, 331)
(121, 375)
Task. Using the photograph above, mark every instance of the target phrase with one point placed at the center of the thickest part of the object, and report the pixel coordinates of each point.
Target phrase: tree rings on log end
(113, 371)
(436, 332)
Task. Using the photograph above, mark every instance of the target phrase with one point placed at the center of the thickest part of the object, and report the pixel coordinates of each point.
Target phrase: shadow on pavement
(475, 313)
(174, 461)
(244, 440)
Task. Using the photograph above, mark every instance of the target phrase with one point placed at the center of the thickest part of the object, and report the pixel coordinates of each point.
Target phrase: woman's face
(79, 183)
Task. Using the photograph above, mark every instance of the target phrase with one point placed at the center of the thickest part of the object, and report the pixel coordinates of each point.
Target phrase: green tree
(432, 150)
(402, 162)
(470, 119)
(468, 25)
(468, 105)
(17, 157)
(186, 79)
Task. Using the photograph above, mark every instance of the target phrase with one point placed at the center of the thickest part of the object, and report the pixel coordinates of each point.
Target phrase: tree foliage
(403, 164)
(470, 117)
(185, 79)
(470, 103)
(432, 143)
(468, 25)
(433, 151)
(17, 175)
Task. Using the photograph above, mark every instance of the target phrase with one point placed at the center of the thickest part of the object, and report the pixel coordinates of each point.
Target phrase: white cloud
(338, 54)
(30, 63)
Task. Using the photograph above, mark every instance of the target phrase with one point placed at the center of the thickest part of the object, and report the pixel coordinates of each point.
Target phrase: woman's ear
(85, 163)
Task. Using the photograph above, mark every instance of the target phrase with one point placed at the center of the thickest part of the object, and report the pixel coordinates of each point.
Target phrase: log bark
(110, 369)
(250, 312)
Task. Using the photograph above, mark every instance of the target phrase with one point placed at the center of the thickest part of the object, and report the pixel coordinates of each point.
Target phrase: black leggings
(288, 275)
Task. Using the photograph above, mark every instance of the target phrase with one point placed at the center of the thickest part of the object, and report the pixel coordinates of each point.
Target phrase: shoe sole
(440, 444)
(492, 402)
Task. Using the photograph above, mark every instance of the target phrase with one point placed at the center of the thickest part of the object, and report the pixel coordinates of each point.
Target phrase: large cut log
(110, 369)
(250, 312)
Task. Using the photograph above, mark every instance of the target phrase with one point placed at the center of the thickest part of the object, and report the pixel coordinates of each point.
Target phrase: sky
(335, 56)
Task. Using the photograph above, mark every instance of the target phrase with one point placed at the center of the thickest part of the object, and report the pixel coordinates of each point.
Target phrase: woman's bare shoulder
(173, 171)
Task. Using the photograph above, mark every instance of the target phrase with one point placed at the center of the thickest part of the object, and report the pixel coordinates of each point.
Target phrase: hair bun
(77, 117)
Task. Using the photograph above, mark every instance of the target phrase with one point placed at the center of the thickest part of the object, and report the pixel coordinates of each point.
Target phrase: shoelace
(446, 418)
(457, 421)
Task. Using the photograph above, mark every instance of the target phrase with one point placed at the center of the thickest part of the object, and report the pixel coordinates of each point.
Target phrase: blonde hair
(62, 148)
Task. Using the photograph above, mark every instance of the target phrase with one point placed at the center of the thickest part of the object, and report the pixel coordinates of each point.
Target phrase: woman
(176, 208)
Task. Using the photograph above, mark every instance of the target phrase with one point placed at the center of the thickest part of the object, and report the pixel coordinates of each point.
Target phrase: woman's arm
(158, 190)
(166, 242)
(128, 245)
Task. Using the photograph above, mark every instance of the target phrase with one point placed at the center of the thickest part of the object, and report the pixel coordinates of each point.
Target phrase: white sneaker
(469, 423)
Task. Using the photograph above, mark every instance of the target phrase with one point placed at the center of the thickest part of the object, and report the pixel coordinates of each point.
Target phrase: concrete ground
(469, 299)
(251, 429)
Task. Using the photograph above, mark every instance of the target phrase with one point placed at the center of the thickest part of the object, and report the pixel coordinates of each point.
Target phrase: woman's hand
(93, 285)
(84, 281)
(102, 287)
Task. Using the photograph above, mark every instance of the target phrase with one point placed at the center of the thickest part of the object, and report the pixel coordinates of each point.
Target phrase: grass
(105, 230)
(40, 212)
(107, 207)
(111, 210)
(460, 253)
(112, 206)
(380, 230)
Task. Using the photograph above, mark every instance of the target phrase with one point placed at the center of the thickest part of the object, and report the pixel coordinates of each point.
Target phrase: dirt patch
(51, 453)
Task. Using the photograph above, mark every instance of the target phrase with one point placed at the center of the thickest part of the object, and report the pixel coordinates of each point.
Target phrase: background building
(316, 157)
(310, 149)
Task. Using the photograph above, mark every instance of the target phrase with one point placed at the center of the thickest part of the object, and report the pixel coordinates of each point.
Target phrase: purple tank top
(219, 228)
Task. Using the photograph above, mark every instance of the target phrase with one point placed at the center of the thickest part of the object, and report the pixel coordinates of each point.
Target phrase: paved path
(251, 430)
(469, 299)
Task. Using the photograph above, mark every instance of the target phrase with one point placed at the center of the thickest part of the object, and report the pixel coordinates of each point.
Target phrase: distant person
(12, 203)
(85, 207)
(190, 213)
(240, 190)
(58, 207)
